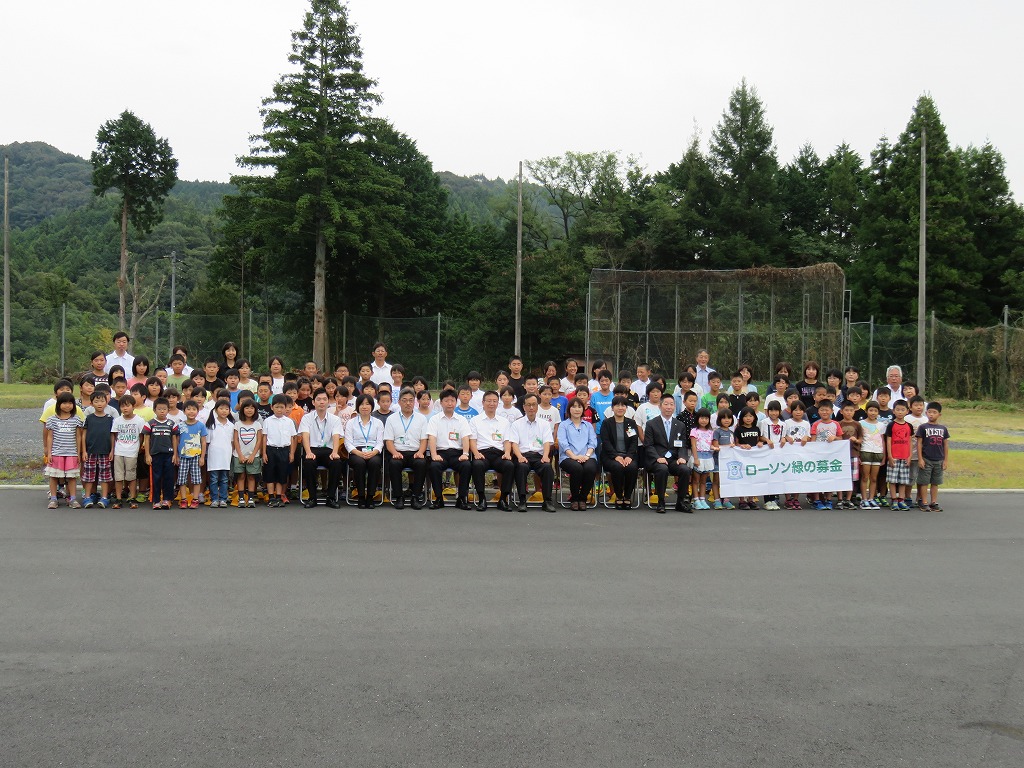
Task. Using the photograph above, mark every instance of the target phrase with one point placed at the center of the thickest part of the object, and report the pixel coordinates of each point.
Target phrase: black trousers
(322, 458)
(540, 468)
(623, 478)
(408, 461)
(662, 471)
(493, 460)
(450, 460)
(366, 473)
(581, 478)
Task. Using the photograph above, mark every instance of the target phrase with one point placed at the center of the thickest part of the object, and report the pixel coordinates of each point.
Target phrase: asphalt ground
(449, 638)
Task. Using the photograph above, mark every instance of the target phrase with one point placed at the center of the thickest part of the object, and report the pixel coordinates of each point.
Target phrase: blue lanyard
(365, 433)
(405, 427)
(323, 429)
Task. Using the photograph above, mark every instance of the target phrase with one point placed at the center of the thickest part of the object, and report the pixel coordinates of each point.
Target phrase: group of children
(178, 434)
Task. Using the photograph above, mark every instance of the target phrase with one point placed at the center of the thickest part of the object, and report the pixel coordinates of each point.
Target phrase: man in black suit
(668, 452)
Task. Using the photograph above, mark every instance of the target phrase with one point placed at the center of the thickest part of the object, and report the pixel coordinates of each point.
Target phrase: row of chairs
(601, 495)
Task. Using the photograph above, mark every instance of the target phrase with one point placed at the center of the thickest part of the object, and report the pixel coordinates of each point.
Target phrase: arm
(174, 449)
(47, 445)
(203, 442)
(113, 442)
(920, 452)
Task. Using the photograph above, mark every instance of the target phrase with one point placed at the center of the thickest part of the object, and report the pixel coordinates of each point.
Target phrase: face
(714, 383)
(506, 398)
(127, 407)
(792, 399)
(917, 408)
(245, 370)
(230, 353)
(619, 410)
(408, 401)
(900, 411)
(530, 408)
(279, 409)
(810, 373)
(545, 397)
(642, 373)
(737, 382)
(263, 391)
(341, 372)
(398, 377)
(490, 405)
(576, 409)
(754, 402)
(162, 376)
(584, 397)
(530, 385)
(501, 380)
(704, 421)
(309, 369)
(909, 391)
(883, 400)
(848, 410)
(424, 400)
(690, 403)
(98, 362)
(516, 366)
(121, 345)
(872, 412)
(223, 410)
(933, 415)
(380, 353)
(232, 382)
(702, 358)
(448, 404)
(305, 390)
(745, 374)
(172, 402)
(825, 411)
(606, 384)
(99, 402)
(87, 389)
(248, 412)
(853, 396)
(365, 372)
(211, 370)
(190, 411)
(654, 396)
(798, 414)
(320, 401)
(894, 377)
(275, 367)
(667, 407)
(725, 421)
(780, 387)
(464, 397)
(852, 376)
(365, 408)
(570, 369)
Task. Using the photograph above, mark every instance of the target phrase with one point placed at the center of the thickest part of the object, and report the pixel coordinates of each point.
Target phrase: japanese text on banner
(810, 468)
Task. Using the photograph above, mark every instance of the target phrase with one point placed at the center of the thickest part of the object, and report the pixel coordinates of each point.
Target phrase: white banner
(764, 471)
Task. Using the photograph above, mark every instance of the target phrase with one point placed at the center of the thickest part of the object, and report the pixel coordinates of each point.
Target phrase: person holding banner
(668, 453)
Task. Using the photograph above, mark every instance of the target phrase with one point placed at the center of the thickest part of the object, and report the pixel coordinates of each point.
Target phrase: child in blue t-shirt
(463, 408)
(192, 439)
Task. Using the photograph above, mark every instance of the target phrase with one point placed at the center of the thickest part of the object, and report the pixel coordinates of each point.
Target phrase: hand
(662, 460)
(149, 459)
(418, 455)
(175, 460)
(920, 464)
(463, 456)
(830, 438)
(744, 447)
(309, 456)
(627, 461)
(202, 461)
(582, 459)
(437, 457)
(523, 460)
(891, 463)
(396, 456)
(478, 456)
(334, 456)
(46, 459)
(265, 459)
(680, 461)
(771, 444)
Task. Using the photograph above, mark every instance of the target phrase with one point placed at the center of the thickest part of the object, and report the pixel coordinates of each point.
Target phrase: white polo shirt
(406, 432)
(448, 431)
(530, 436)
(382, 374)
(489, 433)
(125, 362)
(320, 432)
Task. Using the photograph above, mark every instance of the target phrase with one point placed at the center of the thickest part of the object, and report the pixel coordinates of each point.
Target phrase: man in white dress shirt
(448, 436)
(528, 445)
(487, 446)
(405, 443)
(320, 432)
(380, 366)
(120, 355)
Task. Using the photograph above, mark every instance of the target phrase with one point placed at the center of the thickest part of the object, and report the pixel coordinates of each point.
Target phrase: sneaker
(115, 504)
(828, 504)
(881, 501)
(194, 504)
(921, 505)
(935, 507)
(728, 504)
(89, 503)
(251, 503)
(819, 504)
(717, 504)
(865, 504)
(103, 503)
(53, 503)
(904, 507)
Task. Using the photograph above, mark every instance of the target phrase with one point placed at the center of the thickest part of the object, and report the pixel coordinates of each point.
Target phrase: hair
(290, 386)
(705, 413)
(714, 375)
(574, 403)
(103, 389)
(791, 392)
(341, 364)
(784, 364)
(409, 391)
(447, 392)
(620, 389)
(514, 358)
(688, 394)
(852, 369)
(99, 394)
(319, 392)
(580, 377)
(597, 366)
(247, 403)
(530, 397)
(61, 383)
(416, 380)
(463, 388)
(64, 397)
(775, 405)
(822, 386)
(780, 377)
(900, 402)
(824, 403)
(398, 368)
(625, 375)
(893, 368)
(186, 384)
(834, 373)
(472, 375)
(163, 401)
(138, 389)
(582, 390)
(746, 367)
(604, 373)
(121, 335)
(543, 388)
(507, 391)
(797, 406)
(872, 404)
(755, 395)
(916, 399)
(231, 372)
(935, 405)
(279, 400)
(655, 385)
(686, 376)
(97, 353)
(620, 400)
(377, 345)
(364, 399)
(747, 411)
(264, 383)
(211, 420)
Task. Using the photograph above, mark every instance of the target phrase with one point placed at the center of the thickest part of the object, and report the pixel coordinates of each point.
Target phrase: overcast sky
(481, 85)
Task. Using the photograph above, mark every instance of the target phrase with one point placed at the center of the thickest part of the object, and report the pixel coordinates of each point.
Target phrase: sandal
(935, 507)
(133, 504)
(194, 504)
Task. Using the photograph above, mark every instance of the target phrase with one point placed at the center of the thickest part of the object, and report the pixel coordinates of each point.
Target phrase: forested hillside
(434, 242)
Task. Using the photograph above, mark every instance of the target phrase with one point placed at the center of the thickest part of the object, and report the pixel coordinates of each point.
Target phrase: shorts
(96, 469)
(188, 471)
(869, 459)
(931, 474)
(62, 466)
(278, 465)
(252, 469)
(855, 468)
(125, 468)
(899, 472)
(705, 465)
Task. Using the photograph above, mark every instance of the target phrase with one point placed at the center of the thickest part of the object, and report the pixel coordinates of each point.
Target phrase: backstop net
(756, 316)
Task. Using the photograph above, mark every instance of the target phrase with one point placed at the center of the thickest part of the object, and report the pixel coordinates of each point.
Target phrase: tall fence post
(438, 379)
(344, 336)
(249, 347)
(871, 351)
(931, 355)
(63, 333)
(1006, 351)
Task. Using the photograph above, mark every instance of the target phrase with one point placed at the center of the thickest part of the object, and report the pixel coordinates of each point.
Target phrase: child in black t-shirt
(748, 435)
(99, 450)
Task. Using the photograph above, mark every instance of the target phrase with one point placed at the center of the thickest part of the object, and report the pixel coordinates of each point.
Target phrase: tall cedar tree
(320, 193)
(884, 277)
(141, 167)
(747, 219)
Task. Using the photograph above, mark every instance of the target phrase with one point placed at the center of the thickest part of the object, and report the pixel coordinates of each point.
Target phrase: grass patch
(984, 425)
(25, 395)
(984, 469)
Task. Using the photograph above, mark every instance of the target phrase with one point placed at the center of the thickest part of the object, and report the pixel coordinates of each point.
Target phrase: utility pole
(174, 260)
(519, 266)
(922, 258)
(7, 281)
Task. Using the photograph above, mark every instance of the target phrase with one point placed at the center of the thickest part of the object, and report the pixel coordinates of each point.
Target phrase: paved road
(384, 638)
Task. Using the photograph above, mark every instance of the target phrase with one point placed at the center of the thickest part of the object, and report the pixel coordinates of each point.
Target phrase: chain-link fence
(962, 363)
(754, 316)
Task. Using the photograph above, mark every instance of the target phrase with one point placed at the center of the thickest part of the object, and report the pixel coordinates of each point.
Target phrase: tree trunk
(320, 299)
(136, 300)
(122, 278)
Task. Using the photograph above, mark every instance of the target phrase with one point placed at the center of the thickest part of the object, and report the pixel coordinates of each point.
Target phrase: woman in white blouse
(364, 441)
